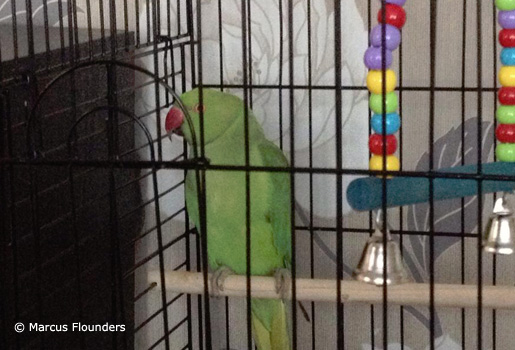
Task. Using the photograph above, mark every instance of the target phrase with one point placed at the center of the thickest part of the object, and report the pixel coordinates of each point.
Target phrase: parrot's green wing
(280, 205)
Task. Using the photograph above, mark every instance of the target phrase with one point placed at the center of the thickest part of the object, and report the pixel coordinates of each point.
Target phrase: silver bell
(371, 265)
(498, 237)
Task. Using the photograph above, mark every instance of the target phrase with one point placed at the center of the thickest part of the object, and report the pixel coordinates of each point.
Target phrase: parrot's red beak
(174, 120)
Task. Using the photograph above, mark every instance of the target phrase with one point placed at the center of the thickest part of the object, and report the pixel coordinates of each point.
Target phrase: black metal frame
(180, 44)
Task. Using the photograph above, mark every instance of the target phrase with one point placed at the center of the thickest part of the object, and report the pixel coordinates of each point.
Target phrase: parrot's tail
(270, 326)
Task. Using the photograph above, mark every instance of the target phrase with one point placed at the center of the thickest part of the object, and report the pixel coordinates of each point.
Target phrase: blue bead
(393, 123)
(508, 56)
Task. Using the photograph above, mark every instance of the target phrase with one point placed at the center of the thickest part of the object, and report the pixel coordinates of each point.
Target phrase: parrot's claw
(218, 279)
(282, 282)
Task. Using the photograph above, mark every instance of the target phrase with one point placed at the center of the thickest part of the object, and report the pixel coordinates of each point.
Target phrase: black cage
(94, 229)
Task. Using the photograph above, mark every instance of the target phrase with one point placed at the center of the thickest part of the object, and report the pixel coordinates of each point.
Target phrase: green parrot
(270, 207)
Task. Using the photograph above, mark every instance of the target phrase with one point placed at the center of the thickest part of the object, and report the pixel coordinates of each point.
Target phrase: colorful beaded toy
(505, 114)
(366, 193)
(391, 29)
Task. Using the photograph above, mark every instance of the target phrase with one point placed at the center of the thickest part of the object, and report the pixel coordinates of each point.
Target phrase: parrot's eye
(198, 107)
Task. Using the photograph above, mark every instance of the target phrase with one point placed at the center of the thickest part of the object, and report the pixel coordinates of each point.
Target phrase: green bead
(376, 103)
(505, 114)
(505, 5)
(505, 152)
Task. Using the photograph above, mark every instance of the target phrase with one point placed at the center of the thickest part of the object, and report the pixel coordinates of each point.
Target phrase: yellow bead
(392, 163)
(507, 76)
(375, 81)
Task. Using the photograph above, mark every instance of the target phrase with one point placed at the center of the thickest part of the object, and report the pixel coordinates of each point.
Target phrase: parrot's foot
(282, 282)
(218, 279)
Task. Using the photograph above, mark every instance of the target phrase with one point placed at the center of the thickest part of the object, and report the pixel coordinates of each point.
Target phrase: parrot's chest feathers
(226, 195)
(226, 190)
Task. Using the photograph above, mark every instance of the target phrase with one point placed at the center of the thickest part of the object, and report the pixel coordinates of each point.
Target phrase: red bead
(395, 15)
(507, 37)
(507, 96)
(505, 133)
(375, 144)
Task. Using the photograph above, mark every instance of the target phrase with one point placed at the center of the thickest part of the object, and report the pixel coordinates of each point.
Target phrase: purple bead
(396, 2)
(392, 37)
(373, 58)
(506, 19)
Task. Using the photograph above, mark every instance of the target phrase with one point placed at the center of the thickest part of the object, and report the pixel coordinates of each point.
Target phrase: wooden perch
(414, 294)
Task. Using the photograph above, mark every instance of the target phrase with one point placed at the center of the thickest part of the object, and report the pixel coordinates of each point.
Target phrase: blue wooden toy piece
(366, 193)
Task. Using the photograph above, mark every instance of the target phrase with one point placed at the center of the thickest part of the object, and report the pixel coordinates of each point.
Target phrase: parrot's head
(219, 111)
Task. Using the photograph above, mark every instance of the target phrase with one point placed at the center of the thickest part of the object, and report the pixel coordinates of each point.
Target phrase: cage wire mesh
(94, 222)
